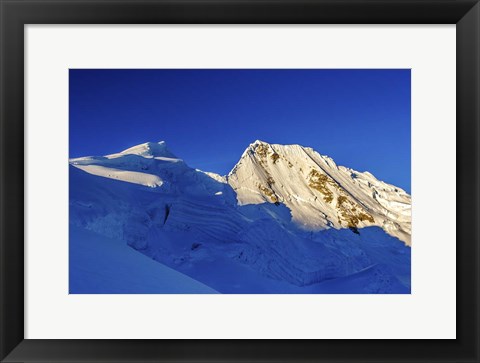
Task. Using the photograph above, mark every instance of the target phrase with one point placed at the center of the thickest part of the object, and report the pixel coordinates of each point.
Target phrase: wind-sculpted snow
(299, 232)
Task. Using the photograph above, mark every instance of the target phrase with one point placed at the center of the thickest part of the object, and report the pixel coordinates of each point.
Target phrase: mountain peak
(258, 142)
(319, 194)
(150, 149)
(255, 144)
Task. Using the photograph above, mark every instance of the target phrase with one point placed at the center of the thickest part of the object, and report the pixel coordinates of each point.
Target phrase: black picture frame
(17, 13)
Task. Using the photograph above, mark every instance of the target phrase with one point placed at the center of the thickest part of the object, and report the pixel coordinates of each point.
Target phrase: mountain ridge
(319, 193)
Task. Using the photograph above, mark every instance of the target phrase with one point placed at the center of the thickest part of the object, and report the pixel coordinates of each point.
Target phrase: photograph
(239, 181)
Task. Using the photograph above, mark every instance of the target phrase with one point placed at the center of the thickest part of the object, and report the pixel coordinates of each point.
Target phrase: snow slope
(283, 238)
(99, 264)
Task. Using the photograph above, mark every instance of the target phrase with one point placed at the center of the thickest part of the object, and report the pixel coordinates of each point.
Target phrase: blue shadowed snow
(100, 265)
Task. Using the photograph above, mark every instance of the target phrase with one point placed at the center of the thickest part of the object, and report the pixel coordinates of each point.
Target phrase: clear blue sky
(361, 118)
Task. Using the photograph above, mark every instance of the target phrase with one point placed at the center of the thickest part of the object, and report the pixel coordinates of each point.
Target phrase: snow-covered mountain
(284, 220)
(319, 193)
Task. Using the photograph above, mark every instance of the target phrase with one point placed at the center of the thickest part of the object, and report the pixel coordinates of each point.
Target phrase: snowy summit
(319, 193)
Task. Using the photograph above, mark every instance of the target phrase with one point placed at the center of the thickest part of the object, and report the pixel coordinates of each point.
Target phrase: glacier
(284, 220)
